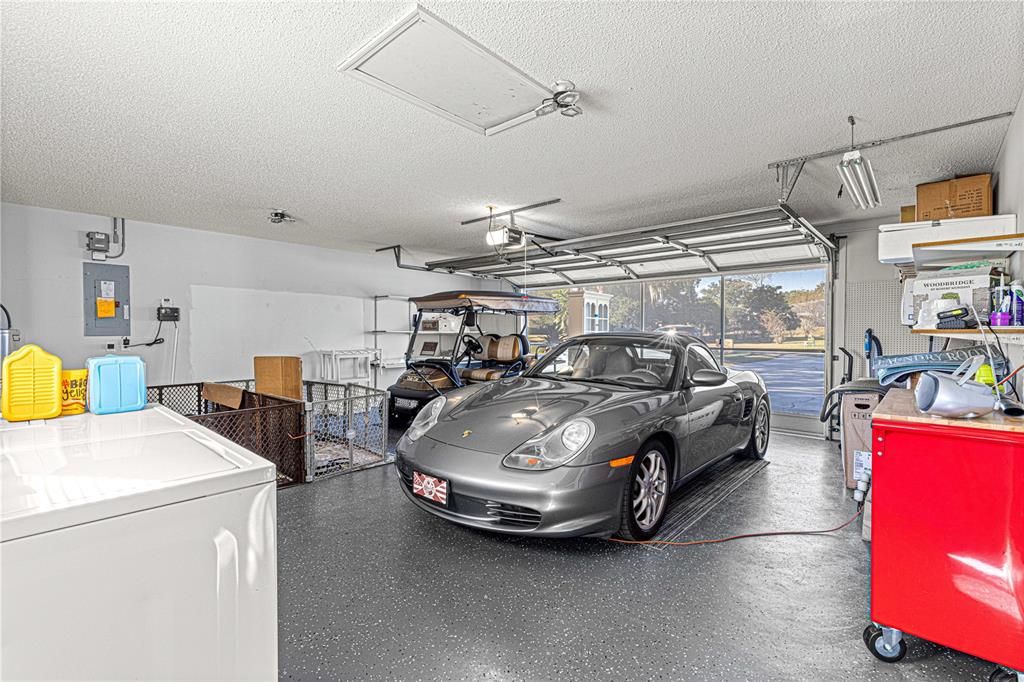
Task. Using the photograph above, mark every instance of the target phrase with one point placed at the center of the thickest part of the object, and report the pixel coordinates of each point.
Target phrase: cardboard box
(958, 198)
(222, 394)
(855, 416)
(279, 375)
(969, 286)
(908, 214)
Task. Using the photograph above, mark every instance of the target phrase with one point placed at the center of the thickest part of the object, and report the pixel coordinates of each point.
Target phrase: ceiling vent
(428, 62)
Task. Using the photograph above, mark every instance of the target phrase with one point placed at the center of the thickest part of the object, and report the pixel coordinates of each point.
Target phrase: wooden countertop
(898, 405)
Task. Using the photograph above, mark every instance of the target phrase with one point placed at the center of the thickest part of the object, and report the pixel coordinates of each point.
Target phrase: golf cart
(463, 337)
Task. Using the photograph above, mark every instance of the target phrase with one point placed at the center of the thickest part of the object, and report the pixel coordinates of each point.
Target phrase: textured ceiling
(206, 114)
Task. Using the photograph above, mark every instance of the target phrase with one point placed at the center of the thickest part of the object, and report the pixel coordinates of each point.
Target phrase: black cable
(157, 339)
(999, 345)
(7, 315)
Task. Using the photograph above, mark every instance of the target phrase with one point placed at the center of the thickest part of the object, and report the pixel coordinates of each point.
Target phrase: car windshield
(633, 363)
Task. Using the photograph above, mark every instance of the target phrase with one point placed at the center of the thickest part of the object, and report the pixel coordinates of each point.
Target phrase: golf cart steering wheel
(472, 345)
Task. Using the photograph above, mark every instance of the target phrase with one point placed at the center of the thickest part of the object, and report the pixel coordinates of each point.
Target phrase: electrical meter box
(106, 295)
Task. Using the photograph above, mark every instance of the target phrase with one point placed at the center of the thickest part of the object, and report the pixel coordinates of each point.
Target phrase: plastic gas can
(31, 385)
(117, 383)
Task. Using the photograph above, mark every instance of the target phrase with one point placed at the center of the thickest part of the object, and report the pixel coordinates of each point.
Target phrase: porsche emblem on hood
(467, 433)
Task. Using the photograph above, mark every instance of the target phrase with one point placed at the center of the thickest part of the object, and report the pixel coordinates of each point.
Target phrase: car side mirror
(707, 377)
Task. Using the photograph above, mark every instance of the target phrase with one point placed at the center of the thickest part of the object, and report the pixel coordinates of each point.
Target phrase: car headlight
(426, 419)
(553, 448)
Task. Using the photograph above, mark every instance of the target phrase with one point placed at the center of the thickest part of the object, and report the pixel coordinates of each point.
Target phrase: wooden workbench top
(898, 405)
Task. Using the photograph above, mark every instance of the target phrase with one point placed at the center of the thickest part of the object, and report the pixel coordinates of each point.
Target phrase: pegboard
(875, 304)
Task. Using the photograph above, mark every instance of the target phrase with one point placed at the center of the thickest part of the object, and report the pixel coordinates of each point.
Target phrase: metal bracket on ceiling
(889, 140)
(397, 251)
(511, 213)
(787, 183)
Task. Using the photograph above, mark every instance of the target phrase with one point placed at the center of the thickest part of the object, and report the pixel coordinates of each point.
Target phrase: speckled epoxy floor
(371, 588)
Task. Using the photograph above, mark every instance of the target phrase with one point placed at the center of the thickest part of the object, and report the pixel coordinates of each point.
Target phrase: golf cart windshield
(454, 326)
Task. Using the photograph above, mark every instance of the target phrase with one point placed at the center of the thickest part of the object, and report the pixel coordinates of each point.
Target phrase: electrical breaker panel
(106, 295)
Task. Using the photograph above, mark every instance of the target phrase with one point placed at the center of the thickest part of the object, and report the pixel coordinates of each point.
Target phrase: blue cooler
(117, 383)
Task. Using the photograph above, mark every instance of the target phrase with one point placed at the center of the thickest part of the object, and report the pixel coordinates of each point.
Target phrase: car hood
(497, 417)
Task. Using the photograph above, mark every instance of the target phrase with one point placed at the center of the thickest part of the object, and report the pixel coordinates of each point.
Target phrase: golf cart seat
(501, 354)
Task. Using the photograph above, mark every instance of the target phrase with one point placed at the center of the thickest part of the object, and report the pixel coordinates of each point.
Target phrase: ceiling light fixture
(279, 215)
(565, 100)
(788, 171)
(857, 175)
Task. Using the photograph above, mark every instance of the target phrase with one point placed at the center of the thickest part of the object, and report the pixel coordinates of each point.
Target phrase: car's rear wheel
(760, 430)
(646, 494)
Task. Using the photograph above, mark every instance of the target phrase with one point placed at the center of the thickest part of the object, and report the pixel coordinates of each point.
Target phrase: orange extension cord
(716, 541)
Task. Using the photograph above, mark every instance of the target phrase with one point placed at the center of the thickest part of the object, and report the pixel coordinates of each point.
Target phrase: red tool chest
(947, 545)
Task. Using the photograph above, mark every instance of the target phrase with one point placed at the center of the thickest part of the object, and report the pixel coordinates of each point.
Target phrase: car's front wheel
(760, 430)
(646, 494)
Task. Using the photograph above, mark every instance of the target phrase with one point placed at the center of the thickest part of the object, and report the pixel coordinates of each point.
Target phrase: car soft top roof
(485, 300)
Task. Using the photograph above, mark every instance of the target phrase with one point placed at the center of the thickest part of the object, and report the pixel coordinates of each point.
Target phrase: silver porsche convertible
(591, 440)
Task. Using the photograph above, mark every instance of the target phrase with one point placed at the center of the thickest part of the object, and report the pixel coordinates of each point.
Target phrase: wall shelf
(934, 254)
(1014, 335)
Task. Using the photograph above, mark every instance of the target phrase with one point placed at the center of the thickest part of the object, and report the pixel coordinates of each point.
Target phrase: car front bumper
(563, 502)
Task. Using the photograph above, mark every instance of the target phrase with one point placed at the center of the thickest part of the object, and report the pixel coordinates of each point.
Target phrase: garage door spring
(673, 543)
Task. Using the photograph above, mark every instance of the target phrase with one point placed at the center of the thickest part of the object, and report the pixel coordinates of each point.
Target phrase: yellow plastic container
(73, 386)
(31, 385)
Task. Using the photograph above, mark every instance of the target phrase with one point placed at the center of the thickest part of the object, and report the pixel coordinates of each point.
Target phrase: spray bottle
(1017, 305)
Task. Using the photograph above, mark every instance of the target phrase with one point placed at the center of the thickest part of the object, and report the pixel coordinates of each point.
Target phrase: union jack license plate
(433, 488)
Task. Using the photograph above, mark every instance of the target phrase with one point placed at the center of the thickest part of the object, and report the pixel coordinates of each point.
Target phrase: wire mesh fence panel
(186, 399)
(275, 432)
(271, 427)
(244, 384)
(347, 432)
(339, 428)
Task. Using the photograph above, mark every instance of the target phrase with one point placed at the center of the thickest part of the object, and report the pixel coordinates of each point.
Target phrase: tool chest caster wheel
(1003, 675)
(886, 644)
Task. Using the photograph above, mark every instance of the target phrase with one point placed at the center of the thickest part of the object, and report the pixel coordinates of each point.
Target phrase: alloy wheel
(761, 426)
(650, 490)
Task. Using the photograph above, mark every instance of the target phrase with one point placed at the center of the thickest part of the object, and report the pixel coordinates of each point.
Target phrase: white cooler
(135, 546)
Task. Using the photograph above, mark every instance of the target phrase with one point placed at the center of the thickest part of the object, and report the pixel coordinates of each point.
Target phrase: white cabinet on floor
(136, 546)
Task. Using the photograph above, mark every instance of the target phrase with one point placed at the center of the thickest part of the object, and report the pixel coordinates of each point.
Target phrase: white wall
(239, 296)
(1009, 170)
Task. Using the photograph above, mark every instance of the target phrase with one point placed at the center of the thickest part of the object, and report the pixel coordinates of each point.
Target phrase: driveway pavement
(795, 381)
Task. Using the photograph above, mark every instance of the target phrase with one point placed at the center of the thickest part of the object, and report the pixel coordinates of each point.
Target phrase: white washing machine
(135, 546)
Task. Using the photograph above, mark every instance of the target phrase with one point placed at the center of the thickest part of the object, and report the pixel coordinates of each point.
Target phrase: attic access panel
(756, 239)
(424, 60)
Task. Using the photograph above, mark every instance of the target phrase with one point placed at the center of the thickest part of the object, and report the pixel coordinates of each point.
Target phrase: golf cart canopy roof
(485, 301)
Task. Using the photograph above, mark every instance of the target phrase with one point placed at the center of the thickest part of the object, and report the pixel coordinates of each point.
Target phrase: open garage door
(775, 237)
(754, 284)
(774, 323)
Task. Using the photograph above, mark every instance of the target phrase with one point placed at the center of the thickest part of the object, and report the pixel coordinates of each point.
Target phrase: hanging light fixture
(858, 177)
